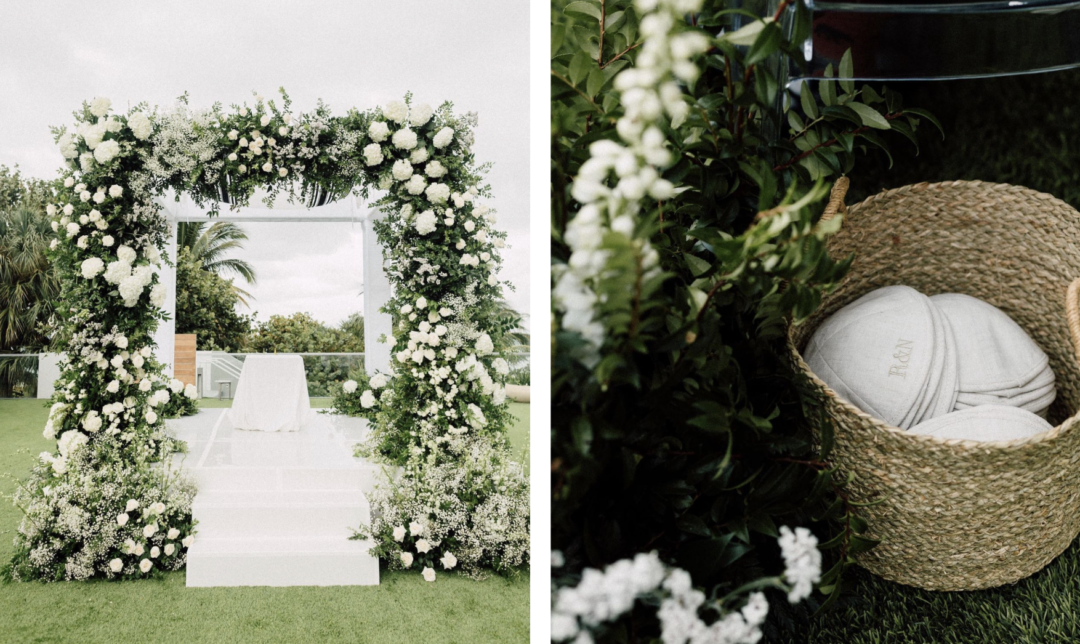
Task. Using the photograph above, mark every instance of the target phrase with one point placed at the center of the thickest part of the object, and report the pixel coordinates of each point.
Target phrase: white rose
(416, 528)
(144, 384)
(99, 107)
(267, 167)
(115, 191)
(402, 170)
(122, 519)
(138, 550)
(429, 574)
(265, 120)
(438, 193)
(421, 302)
(423, 546)
(132, 505)
(425, 222)
(378, 131)
(448, 561)
(399, 533)
(404, 139)
(373, 154)
(107, 151)
(169, 549)
(421, 114)
(121, 342)
(484, 345)
(151, 417)
(396, 111)
(460, 245)
(154, 552)
(470, 226)
(145, 565)
(367, 399)
(140, 126)
(116, 565)
(72, 229)
(191, 392)
(443, 138)
(149, 530)
(173, 533)
(188, 540)
(476, 416)
(406, 559)
(107, 241)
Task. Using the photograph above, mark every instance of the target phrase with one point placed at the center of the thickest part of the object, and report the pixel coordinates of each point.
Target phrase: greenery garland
(107, 505)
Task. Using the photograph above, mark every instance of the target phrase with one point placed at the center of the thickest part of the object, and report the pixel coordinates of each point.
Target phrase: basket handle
(1072, 314)
(836, 199)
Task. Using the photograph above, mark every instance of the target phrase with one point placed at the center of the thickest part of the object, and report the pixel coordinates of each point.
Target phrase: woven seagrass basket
(957, 514)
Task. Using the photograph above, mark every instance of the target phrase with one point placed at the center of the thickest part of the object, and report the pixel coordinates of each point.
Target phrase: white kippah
(985, 423)
(879, 352)
(999, 362)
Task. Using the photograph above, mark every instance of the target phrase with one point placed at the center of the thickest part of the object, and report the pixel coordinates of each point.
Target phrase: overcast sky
(356, 53)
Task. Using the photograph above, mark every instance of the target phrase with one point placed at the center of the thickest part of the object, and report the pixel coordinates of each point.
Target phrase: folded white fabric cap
(995, 353)
(1036, 404)
(944, 394)
(878, 353)
(985, 423)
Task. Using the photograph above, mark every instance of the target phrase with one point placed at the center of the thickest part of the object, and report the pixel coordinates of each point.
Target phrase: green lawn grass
(403, 608)
(1025, 131)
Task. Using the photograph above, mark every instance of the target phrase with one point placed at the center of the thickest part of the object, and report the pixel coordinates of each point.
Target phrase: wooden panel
(184, 358)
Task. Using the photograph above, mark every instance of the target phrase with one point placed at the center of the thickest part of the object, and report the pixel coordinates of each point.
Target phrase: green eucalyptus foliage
(690, 434)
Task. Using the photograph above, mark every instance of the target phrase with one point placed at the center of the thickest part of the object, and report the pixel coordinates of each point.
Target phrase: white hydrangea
(140, 126)
(349, 386)
(443, 138)
(117, 271)
(484, 345)
(367, 399)
(68, 148)
(419, 155)
(131, 289)
(378, 381)
(402, 170)
(421, 114)
(435, 169)
(373, 154)
(107, 151)
(70, 441)
(425, 222)
(92, 267)
(415, 185)
(438, 193)
(378, 131)
(158, 294)
(404, 139)
(396, 111)
(99, 107)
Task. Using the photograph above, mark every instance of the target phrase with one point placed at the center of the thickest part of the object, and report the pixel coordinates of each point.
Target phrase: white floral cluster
(604, 596)
(126, 522)
(649, 93)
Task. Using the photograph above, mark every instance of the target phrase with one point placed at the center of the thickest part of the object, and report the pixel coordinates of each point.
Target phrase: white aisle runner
(277, 509)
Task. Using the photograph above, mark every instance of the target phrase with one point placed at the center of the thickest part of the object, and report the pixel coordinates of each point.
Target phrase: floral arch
(106, 503)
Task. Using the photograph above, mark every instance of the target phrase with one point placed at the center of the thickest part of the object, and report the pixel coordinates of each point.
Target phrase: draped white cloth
(271, 395)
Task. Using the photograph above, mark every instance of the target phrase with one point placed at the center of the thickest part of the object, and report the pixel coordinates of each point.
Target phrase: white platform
(277, 509)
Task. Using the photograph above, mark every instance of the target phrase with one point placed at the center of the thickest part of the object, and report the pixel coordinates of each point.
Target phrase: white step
(303, 561)
(361, 478)
(278, 513)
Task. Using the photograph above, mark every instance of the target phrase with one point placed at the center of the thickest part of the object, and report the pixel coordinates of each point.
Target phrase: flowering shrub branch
(82, 504)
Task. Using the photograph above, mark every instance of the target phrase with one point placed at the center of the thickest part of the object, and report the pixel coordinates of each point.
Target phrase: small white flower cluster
(648, 91)
(423, 547)
(604, 596)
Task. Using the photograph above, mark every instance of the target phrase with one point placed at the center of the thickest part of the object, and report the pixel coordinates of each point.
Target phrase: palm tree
(514, 342)
(210, 245)
(28, 289)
